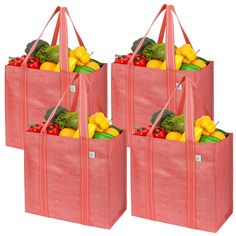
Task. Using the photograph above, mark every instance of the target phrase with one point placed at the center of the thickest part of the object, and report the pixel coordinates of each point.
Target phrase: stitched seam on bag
(215, 187)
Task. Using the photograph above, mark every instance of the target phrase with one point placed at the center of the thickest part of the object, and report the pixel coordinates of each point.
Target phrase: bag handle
(163, 27)
(84, 151)
(57, 28)
(190, 151)
(170, 71)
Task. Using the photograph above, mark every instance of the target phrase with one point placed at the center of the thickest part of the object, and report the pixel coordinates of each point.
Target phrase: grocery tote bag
(80, 180)
(183, 183)
(137, 91)
(30, 92)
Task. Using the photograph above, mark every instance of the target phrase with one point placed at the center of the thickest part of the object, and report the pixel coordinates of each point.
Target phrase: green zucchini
(189, 67)
(101, 135)
(209, 139)
(83, 69)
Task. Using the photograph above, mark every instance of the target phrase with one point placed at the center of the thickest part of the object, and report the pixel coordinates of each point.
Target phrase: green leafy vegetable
(164, 115)
(146, 42)
(155, 51)
(41, 43)
(52, 54)
(173, 123)
(41, 54)
(67, 120)
(60, 109)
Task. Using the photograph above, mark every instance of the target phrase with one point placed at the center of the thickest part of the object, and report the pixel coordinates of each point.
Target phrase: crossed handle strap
(84, 151)
(190, 151)
(170, 71)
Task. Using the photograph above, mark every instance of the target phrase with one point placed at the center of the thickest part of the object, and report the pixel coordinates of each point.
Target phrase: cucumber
(202, 59)
(83, 69)
(114, 127)
(101, 135)
(189, 67)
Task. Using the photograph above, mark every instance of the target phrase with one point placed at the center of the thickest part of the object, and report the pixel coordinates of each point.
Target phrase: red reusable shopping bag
(137, 91)
(80, 180)
(183, 183)
(30, 92)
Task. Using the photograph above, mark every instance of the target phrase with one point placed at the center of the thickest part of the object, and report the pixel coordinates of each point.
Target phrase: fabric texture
(137, 92)
(80, 180)
(29, 92)
(168, 184)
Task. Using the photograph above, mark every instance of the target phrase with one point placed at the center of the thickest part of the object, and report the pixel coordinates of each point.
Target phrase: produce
(139, 60)
(67, 120)
(159, 132)
(197, 133)
(81, 54)
(222, 131)
(173, 123)
(100, 120)
(143, 131)
(83, 69)
(218, 134)
(60, 109)
(164, 115)
(67, 132)
(112, 131)
(209, 139)
(41, 44)
(202, 59)
(178, 62)
(53, 129)
(48, 66)
(98, 62)
(52, 54)
(93, 65)
(36, 128)
(206, 124)
(190, 67)
(32, 63)
(187, 52)
(199, 63)
(154, 64)
(146, 42)
(173, 135)
(118, 129)
(101, 135)
(155, 51)
(91, 131)
(72, 65)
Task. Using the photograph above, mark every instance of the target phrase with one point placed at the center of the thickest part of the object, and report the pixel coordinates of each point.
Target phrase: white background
(108, 28)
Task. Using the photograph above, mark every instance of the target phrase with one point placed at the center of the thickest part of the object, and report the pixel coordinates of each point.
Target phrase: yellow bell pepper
(187, 52)
(91, 131)
(72, 65)
(178, 62)
(206, 124)
(197, 134)
(100, 120)
(173, 135)
(82, 55)
(112, 131)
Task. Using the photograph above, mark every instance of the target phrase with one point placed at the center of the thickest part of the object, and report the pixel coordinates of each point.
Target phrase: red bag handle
(163, 27)
(84, 150)
(57, 28)
(190, 150)
(170, 64)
